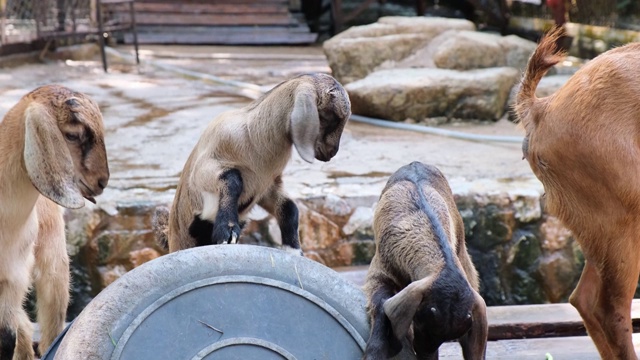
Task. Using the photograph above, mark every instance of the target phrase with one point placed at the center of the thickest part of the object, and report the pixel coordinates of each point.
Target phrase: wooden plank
(185, 29)
(212, 19)
(521, 321)
(546, 320)
(563, 348)
(211, 8)
(217, 1)
(224, 38)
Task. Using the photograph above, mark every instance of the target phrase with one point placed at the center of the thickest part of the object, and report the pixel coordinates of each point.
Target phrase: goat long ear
(48, 160)
(305, 123)
(401, 308)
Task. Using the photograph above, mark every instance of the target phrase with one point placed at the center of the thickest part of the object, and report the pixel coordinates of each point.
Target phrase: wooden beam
(268, 8)
(547, 320)
(213, 19)
(225, 38)
(520, 321)
(217, 1)
(563, 348)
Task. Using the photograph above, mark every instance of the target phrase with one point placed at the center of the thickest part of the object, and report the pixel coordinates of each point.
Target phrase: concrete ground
(154, 118)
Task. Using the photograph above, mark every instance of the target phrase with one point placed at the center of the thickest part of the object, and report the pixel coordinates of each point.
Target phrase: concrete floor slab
(154, 118)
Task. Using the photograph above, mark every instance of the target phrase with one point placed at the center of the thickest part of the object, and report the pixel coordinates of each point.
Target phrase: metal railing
(25, 21)
(17, 21)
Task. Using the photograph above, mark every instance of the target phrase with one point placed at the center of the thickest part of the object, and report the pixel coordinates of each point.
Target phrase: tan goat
(51, 144)
(239, 159)
(422, 286)
(583, 143)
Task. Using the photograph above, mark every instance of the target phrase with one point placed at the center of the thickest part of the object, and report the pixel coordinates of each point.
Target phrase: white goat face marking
(210, 203)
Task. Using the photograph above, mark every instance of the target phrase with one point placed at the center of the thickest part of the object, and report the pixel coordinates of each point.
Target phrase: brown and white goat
(583, 143)
(421, 276)
(51, 153)
(239, 159)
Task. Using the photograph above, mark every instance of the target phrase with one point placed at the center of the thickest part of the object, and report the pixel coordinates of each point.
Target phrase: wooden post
(134, 29)
(336, 16)
(3, 22)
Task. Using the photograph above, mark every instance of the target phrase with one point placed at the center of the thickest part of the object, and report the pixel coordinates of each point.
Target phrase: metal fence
(23, 21)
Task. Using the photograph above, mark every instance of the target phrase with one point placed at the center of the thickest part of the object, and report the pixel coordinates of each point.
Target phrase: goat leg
(425, 354)
(424, 349)
(285, 211)
(51, 275)
(226, 227)
(584, 298)
(382, 342)
(7, 342)
(607, 310)
(15, 327)
(24, 339)
(17, 344)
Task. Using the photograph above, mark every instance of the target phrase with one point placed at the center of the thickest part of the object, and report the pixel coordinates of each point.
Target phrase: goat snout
(102, 182)
(326, 155)
(90, 191)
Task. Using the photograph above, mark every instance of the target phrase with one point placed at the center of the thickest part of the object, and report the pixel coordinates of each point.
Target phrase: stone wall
(522, 254)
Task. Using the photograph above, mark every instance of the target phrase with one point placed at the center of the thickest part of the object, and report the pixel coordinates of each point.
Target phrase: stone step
(521, 321)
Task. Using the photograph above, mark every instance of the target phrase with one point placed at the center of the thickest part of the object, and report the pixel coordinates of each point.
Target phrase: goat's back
(417, 226)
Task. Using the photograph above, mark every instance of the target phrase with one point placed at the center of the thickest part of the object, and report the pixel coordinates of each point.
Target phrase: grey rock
(361, 221)
(354, 58)
(354, 53)
(527, 208)
(398, 94)
(466, 50)
(517, 51)
(332, 206)
(550, 84)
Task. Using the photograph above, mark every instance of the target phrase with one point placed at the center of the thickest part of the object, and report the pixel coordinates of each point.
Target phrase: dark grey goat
(422, 286)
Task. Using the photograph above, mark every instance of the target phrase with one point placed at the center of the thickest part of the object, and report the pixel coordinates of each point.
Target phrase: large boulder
(517, 51)
(356, 52)
(547, 86)
(353, 59)
(457, 50)
(466, 50)
(398, 94)
(364, 58)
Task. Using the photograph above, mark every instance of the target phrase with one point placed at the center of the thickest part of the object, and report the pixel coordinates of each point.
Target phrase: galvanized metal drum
(222, 302)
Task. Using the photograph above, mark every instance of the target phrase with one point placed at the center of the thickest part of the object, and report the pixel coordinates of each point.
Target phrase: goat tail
(544, 57)
(160, 225)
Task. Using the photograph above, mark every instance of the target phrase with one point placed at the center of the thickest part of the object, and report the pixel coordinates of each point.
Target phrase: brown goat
(239, 160)
(583, 143)
(421, 275)
(51, 153)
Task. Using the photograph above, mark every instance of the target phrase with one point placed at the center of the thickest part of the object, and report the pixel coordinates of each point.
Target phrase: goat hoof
(292, 251)
(226, 234)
